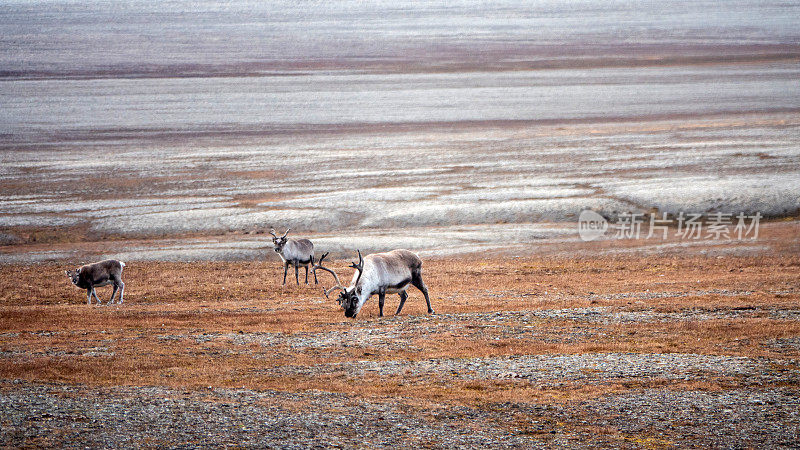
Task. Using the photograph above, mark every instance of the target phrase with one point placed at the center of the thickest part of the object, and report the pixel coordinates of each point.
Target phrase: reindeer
(100, 273)
(379, 273)
(296, 252)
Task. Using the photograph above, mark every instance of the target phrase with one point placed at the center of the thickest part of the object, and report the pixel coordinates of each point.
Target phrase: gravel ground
(755, 403)
(75, 416)
(590, 368)
(648, 362)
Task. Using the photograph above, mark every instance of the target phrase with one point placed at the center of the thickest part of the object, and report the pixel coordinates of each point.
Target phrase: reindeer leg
(285, 269)
(297, 272)
(306, 266)
(315, 272)
(113, 293)
(99, 303)
(403, 297)
(118, 285)
(381, 298)
(89, 296)
(416, 280)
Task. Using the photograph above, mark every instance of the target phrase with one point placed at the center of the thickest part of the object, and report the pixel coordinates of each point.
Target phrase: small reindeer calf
(100, 273)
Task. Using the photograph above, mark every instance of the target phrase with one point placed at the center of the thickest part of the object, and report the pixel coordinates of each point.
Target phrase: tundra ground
(605, 349)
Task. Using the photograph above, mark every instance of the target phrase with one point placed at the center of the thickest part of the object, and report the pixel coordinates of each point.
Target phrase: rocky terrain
(175, 135)
(655, 351)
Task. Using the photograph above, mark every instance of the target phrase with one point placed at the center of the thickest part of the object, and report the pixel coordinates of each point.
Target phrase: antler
(318, 265)
(359, 267)
(333, 288)
(272, 232)
(287, 232)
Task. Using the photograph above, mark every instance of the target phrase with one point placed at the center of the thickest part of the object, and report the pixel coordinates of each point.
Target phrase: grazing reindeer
(100, 273)
(380, 273)
(296, 252)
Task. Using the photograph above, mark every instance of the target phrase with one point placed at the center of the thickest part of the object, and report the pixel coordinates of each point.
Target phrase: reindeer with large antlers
(297, 252)
(379, 273)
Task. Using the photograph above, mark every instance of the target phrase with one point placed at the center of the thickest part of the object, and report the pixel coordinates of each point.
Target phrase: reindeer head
(73, 275)
(349, 302)
(279, 242)
(348, 297)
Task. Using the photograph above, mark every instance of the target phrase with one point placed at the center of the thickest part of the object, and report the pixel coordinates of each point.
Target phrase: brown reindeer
(100, 273)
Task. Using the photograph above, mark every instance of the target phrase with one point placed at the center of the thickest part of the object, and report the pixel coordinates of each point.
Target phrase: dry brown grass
(49, 333)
